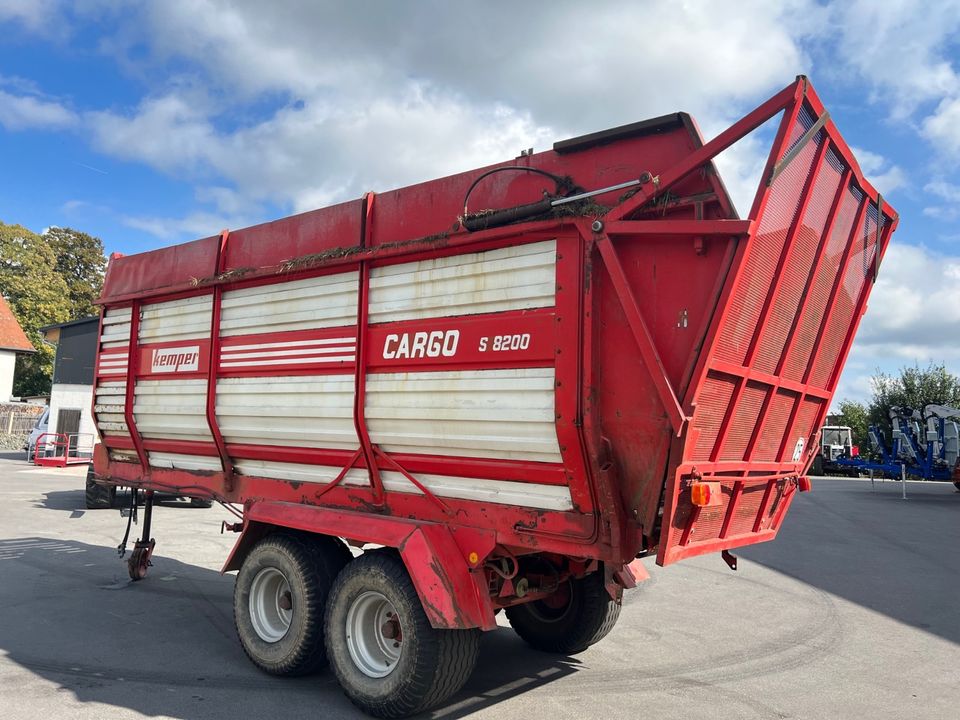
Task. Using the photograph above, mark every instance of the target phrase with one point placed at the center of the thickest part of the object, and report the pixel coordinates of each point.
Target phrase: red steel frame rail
(133, 363)
(214, 366)
(360, 360)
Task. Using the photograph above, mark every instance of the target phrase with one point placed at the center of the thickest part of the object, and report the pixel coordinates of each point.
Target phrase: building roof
(51, 333)
(12, 336)
(79, 321)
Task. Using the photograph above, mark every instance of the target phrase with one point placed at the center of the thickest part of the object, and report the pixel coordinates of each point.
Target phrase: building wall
(7, 360)
(64, 395)
(76, 353)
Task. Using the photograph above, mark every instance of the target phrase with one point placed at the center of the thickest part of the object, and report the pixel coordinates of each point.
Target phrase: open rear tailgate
(780, 336)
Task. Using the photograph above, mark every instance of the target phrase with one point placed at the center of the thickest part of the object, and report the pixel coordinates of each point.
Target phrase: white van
(42, 426)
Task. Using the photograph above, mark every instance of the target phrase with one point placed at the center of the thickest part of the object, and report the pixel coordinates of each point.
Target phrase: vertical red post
(360, 363)
(133, 366)
(214, 366)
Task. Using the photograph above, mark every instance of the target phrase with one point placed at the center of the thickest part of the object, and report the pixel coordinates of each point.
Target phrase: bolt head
(597, 226)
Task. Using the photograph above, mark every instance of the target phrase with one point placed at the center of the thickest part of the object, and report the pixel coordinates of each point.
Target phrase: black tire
(200, 502)
(309, 566)
(816, 468)
(97, 496)
(587, 616)
(432, 664)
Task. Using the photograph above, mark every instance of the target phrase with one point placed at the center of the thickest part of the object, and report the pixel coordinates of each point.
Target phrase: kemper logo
(179, 359)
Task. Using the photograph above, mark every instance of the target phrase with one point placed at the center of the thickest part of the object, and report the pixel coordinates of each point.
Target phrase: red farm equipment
(505, 407)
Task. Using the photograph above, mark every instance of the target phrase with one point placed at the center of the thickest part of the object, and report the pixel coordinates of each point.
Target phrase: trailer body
(635, 372)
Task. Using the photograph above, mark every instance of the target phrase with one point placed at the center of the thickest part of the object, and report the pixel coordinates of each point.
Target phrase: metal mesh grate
(835, 332)
(763, 254)
(806, 241)
(709, 524)
(711, 405)
(803, 426)
(744, 420)
(806, 335)
(775, 425)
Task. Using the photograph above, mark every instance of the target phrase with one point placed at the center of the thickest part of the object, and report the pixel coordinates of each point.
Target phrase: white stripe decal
(503, 492)
(292, 343)
(340, 349)
(288, 361)
(112, 371)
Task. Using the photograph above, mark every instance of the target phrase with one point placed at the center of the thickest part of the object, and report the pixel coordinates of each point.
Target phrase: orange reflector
(706, 493)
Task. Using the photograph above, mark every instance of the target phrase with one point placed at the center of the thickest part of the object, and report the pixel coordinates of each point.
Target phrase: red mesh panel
(710, 522)
(774, 426)
(785, 323)
(744, 421)
(763, 253)
(848, 295)
(826, 273)
(711, 406)
(803, 426)
(806, 240)
(745, 513)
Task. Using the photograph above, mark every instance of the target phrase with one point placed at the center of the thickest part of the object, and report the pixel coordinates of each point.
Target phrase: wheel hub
(271, 605)
(374, 634)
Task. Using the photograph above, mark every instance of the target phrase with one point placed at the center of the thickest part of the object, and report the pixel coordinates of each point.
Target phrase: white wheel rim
(271, 605)
(374, 634)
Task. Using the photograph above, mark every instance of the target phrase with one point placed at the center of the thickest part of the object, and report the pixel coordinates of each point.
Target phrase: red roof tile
(12, 336)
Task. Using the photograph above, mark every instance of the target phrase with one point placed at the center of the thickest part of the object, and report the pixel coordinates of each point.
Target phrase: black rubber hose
(560, 181)
(507, 215)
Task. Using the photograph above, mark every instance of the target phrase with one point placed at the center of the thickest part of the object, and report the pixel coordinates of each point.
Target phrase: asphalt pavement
(853, 612)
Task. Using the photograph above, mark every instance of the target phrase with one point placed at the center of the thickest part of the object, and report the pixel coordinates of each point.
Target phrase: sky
(148, 124)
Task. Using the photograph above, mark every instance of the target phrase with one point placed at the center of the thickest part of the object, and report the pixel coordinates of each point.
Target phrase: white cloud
(943, 189)
(900, 47)
(946, 213)
(34, 15)
(913, 312)
(167, 133)
(196, 224)
(884, 175)
(942, 128)
(22, 112)
(376, 100)
(912, 317)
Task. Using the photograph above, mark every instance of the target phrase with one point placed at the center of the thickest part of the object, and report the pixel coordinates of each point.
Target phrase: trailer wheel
(390, 662)
(816, 469)
(279, 600)
(580, 614)
(97, 496)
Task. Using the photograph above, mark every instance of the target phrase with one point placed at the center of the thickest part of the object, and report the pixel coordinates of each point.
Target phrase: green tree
(38, 296)
(854, 415)
(913, 388)
(81, 263)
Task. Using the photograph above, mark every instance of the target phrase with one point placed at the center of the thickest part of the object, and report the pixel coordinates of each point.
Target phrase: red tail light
(706, 493)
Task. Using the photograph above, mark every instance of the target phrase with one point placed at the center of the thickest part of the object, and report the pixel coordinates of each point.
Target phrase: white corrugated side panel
(110, 400)
(512, 278)
(299, 472)
(309, 411)
(115, 329)
(506, 414)
(184, 462)
(123, 455)
(545, 497)
(172, 409)
(320, 302)
(184, 319)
